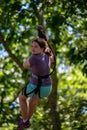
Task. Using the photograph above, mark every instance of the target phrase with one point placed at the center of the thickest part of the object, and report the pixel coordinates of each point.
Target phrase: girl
(40, 84)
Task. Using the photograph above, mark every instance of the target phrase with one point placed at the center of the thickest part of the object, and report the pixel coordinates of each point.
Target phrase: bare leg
(23, 105)
(32, 106)
(27, 111)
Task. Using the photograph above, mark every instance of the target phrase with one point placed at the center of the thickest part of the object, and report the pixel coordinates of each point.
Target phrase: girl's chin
(34, 53)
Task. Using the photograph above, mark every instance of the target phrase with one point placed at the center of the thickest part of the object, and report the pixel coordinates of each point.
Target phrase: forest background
(66, 27)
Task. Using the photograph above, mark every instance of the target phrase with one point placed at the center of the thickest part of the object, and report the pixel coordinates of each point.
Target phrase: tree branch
(4, 43)
(38, 12)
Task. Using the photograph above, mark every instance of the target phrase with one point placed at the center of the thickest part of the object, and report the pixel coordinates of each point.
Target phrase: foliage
(66, 25)
(73, 99)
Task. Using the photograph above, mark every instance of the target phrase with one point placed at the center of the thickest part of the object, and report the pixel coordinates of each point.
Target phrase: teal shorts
(44, 90)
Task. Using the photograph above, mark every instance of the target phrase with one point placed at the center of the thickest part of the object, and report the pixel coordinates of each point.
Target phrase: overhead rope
(41, 34)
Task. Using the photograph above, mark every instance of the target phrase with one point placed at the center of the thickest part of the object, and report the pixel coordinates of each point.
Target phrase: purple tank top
(40, 66)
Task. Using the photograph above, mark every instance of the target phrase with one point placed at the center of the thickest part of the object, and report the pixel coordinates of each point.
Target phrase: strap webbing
(37, 89)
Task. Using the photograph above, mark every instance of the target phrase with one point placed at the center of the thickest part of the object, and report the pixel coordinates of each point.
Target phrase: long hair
(41, 34)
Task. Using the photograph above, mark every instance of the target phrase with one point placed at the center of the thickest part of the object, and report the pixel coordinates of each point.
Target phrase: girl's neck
(39, 53)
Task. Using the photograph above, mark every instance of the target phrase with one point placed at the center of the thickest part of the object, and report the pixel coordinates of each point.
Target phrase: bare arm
(26, 64)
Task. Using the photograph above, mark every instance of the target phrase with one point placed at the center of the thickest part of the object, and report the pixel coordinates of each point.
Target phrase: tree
(65, 22)
(15, 29)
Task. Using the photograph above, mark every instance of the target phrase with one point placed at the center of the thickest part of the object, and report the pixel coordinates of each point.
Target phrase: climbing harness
(37, 89)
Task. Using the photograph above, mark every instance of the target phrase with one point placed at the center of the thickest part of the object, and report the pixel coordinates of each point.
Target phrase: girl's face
(36, 49)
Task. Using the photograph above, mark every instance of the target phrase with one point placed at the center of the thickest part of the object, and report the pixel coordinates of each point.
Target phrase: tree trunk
(54, 113)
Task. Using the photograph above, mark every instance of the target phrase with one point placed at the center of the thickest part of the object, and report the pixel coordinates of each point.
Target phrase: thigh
(22, 96)
(34, 101)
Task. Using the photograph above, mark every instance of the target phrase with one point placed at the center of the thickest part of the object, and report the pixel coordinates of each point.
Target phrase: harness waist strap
(42, 77)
